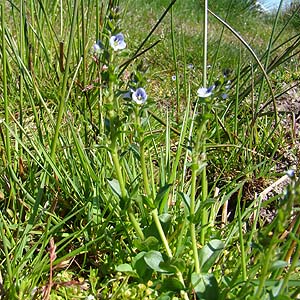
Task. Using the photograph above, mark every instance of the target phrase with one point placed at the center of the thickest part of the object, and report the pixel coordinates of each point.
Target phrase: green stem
(6, 107)
(119, 175)
(61, 108)
(195, 169)
(236, 104)
(175, 65)
(161, 232)
(175, 164)
(295, 262)
(266, 266)
(166, 245)
(192, 214)
(243, 254)
(181, 140)
(204, 212)
(135, 224)
(205, 27)
(22, 9)
(116, 162)
(6, 102)
(142, 152)
(144, 170)
(6, 252)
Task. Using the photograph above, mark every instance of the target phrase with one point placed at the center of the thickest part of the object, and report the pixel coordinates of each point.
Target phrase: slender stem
(61, 108)
(268, 54)
(204, 213)
(61, 18)
(243, 254)
(115, 158)
(124, 196)
(166, 245)
(175, 66)
(205, 27)
(192, 214)
(295, 262)
(178, 152)
(135, 224)
(161, 232)
(140, 133)
(265, 75)
(181, 140)
(236, 106)
(6, 102)
(22, 9)
(266, 266)
(116, 162)
(6, 105)
(144, 170)
(6, 252)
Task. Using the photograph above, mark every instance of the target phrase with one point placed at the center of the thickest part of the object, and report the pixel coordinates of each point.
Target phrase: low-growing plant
(117, 185)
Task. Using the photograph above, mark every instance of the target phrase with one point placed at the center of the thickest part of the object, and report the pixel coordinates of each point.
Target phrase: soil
(288, 106)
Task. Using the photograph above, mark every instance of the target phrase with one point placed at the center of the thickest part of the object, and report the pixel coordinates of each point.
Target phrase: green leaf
(171, 284)
(165, 218)
(150, 243)
(277, 288)
(209, 254)
(282, 297)
(127, 269)
(179, 263)
(124, 268)
(115, 186)
(135, 150)
(141, 267)
(153, 259)
(173, 265)
(164, 297)
(161, 193)
(278, 264)
(148, 201)
(205, 286)
(186, 199)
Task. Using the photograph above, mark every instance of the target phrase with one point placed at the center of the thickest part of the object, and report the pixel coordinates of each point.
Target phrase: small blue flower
(174, 77)
(224, 96)
(117, 42)
(205, 92)
(291, 173)
(97, 47)
(139, 96)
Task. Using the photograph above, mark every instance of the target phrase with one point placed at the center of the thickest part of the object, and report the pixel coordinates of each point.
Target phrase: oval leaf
(205, 286)
(153, 259)
(209, 254)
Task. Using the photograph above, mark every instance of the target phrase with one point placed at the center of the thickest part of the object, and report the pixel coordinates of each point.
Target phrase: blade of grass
(241, 39)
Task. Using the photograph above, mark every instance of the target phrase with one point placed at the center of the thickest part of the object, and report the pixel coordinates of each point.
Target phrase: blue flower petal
(139, 96)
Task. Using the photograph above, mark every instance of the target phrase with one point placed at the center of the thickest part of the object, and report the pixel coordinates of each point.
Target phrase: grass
(103, 198)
